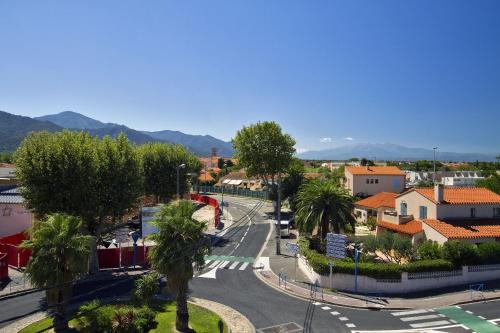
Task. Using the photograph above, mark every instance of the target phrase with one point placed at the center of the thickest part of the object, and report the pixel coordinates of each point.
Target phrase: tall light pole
(434, 166)
(278, 219)
(182, 166)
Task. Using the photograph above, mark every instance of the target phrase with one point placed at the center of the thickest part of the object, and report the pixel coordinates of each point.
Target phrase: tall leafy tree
(159, 165)
(292, 181)
(59, 256)
(325, 205)
(76, 174)
(180, 243)
(264, 151)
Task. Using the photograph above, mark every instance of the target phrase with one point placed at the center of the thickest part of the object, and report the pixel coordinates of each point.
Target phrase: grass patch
(200, 319)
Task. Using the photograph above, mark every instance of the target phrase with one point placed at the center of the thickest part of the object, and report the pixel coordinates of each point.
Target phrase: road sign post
(331, 264)
(294, 249)
(356, 257)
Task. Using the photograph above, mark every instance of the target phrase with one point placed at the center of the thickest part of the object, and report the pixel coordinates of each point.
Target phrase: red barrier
(15, 239)
(109, 258)
(128, 256)
(4, 266)
(209, 201)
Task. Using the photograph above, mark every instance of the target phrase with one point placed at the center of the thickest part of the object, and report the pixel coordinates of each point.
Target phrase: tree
(429, 250)
(59, 256)
(180, 243)
(366, 162)
(292, 181)
(146, 287)
(492, 183)
(264, 151)
(159, 164)
(220, 163)
(76, 174)
(324, 205)
(229, 163)
(393, 246)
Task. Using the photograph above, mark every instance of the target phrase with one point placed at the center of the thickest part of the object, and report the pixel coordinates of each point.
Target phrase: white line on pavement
(224, 264)
(404, 313)
(242, 267)
(335, 313)
(343, 318)
(430, 323)
(234, 265)
(215, 263)
(350, 325)
(326, 308)
(419, 318)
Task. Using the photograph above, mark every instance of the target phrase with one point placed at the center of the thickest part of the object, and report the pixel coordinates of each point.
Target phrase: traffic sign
(293, 248)
(335, 245)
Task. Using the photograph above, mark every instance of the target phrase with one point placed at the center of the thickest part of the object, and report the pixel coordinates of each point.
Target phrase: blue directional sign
(336, 245)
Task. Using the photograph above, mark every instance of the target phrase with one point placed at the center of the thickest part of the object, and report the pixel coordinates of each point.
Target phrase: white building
(14, 217)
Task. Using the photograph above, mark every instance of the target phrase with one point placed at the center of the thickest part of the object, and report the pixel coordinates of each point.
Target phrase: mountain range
(14, 128)
(390, 151)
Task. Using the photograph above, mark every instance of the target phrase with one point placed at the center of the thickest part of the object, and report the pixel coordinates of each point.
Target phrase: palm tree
(180, 243)
(59, 256)
(326, 205)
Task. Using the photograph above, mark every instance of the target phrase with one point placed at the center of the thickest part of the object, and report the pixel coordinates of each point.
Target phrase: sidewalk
(295, 282)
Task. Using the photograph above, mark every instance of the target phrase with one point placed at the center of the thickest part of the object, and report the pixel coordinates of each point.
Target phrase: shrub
(489, 253)
(104, 318)
(371, 223)
(145, 320)
(430, 250)
(146, 287)
(123, 320)
(461, 253)
(435, 265)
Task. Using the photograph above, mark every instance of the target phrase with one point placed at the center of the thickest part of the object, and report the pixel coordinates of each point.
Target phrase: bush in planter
(435, 265)
(461, 253)
(430, 250)
(489, 253)
(144, 320)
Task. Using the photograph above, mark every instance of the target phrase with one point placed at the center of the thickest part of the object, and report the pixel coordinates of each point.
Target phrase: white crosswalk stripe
(234, 264)
(430, 323)
(242, 267)
(215, 263)
(421, 318)
(224, 264)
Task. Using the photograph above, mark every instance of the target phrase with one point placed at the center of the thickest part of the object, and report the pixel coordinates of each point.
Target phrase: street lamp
(182, 166)
(434, 166)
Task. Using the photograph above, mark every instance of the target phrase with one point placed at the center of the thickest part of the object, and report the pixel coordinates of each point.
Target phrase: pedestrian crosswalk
(422, 318)
(228, 262)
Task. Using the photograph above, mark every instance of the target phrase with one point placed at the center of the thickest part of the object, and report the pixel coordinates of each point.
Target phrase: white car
(284, 228)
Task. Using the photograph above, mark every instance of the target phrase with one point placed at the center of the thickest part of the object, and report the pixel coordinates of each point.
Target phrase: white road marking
(242, 267)
(215, 263)
(350, 325)
(481, 317)
(420, 318)
(412, 312)
(335, 313)
(263, 264)
(326, 308)
(210, 274)
(234, 264)
(343, 318)
(316, 303)
(469, 312)
(430, 323)
(207, 262)
(242, 238)
(224, 264)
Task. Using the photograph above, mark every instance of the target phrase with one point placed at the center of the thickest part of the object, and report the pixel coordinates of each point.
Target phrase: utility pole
(182, 166)
(278, 220)
(434, 166)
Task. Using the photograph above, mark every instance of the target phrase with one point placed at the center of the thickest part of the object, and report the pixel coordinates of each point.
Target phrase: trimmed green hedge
(319, 263)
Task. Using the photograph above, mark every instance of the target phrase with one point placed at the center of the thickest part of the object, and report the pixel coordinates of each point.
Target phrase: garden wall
(409, 282)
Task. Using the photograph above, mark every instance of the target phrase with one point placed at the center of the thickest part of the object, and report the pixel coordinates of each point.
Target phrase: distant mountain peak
(74, 120)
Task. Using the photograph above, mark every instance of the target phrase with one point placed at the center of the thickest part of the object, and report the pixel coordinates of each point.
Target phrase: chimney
(439, 193)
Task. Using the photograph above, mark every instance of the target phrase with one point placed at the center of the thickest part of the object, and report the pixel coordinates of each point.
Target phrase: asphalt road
(265, 307)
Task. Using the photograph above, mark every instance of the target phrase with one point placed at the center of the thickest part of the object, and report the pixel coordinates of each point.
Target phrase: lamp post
(356, 258)
(434, 166)
(182, 166)
(278, 219)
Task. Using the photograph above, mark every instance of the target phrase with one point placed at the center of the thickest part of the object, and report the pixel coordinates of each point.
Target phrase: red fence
(122, 257)
(209, 201)
(15, 256)
(4, 266)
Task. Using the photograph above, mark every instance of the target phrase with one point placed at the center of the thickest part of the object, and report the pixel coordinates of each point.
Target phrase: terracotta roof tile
(453, 229)
(382, 199)
(410, 228)
(463, 195)
(375, 170)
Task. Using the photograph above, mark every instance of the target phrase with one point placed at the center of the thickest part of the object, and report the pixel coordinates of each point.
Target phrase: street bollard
(221, 326)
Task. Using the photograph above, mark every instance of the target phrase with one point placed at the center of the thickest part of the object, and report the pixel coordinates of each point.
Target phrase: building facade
(369, 180)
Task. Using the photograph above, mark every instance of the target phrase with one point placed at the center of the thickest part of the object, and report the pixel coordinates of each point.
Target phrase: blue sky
(417, 73)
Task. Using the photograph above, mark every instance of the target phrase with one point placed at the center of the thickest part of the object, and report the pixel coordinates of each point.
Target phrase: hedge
(319, 263)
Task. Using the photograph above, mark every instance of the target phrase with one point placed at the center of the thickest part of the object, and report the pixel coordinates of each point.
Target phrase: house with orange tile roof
(443, 213)
(374, 205)
(369, 180)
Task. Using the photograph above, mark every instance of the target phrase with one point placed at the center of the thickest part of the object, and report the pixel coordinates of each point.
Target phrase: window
(367, 181)
(423, 212)
(473, 212)
(404, 209)
(496, 211)
(371, 181)
(376, 181)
